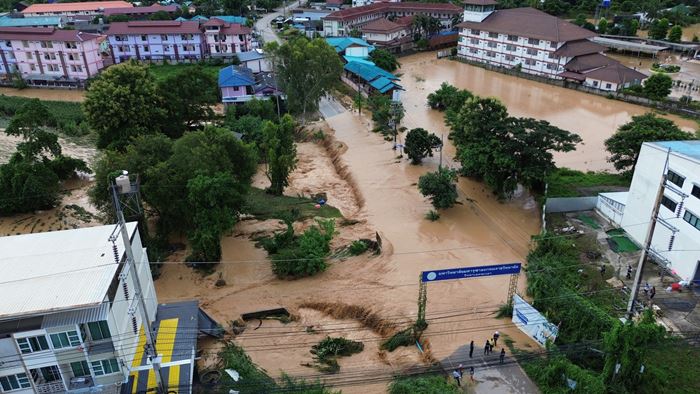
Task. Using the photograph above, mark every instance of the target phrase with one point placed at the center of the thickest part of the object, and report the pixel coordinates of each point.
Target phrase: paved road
(330, 107)
(262, 26)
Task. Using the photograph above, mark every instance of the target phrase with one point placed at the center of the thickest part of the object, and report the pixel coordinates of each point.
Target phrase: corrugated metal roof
(368, 72)
(76, 317)
(689, 148)
(55, 271)
(7, 21)
(235, 76)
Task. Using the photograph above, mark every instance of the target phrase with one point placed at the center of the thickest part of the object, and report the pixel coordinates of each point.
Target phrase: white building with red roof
(224, 39)
(90, 8)
(177, 41)
(538, 43)
(50, 57)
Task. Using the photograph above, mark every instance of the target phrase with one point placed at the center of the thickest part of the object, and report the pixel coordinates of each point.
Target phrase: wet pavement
(490, 376)
(262, 25)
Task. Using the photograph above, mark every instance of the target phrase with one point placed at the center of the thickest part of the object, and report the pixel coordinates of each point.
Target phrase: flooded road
(594, 118)
(46, 94)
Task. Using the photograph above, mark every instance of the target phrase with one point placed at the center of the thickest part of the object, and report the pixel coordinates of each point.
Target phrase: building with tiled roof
(385, 33)
(538, 43)
(155, 41)
(225, 39)
(141, 12)
(340, 23)
(91, 8)
(49, 56)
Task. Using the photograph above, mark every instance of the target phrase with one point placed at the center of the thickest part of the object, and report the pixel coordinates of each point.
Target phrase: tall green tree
(675, 34)
(281, 153)
(384, 59)
(440, 186)
(30, 180)
(602, 26)
(659, 29)
(625, 144)
(306, 70)
(658, 86)
(448, 97)
(506, 151)
(420, 144)
(121, 103)
(187, 97)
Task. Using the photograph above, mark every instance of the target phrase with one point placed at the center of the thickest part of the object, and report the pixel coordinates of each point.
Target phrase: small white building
(69, 320)
(676, 239)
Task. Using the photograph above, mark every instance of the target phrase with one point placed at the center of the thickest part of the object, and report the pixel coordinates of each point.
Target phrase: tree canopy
(307, 70)
(675, 34)
(187, 97)
(419, 144)
(281, 153)
(123, 102)
(30, 180)
(384, 59)
(658, 86)
(506, 151)
(440, 187)
(625, 144)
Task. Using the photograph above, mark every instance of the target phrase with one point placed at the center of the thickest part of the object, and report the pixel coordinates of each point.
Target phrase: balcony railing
(48, 388)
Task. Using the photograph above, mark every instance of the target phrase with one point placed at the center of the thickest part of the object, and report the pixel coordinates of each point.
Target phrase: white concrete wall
(600, 84)
(685, 253)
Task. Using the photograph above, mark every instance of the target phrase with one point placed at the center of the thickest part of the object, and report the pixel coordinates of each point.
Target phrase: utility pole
(131, 262)
(647, 241)
(442, 143)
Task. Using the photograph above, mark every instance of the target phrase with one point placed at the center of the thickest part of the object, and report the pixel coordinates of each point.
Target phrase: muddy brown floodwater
(46, 94)
(594, 118)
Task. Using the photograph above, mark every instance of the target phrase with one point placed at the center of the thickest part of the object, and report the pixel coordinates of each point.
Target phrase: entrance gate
(512, 269)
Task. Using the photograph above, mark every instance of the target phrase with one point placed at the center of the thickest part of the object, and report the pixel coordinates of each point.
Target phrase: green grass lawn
(623, 243)
(163, 71)
(589, 221)
(678, 365)
(266, 206)
(564, 182)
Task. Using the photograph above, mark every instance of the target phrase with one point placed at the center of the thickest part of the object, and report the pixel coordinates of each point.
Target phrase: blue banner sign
(532, 322)
(470, 272)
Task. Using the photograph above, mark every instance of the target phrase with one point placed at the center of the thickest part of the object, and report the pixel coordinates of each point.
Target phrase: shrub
(406, 337)
(295, 257)
(432, 215)
(357, 248)
(435, 384)
(329, 349)
(440, 187)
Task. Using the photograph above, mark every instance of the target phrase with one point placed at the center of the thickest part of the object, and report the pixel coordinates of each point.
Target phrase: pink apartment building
(51, 57)
(226, 39)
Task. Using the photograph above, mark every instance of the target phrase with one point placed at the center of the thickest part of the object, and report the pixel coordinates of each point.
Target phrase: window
(105, 367)
(510, 48)
(77, 69)
(696, 191)
(29, 56)
(186, 36)
(675, 178)
(145, 48)
(50, 56)
(99, 330)
(532, 52)
(668, 203)
(493, 35)
(25, 43)
(65, 339)
(533, 41)
(71, 45)
(530, 62)
(510, 58)
(241, 38)
(608, 86)
(46, 44)
(595, 84)
(123, 48)
(475, 41)
(473, 50)
(491, 54)
(33, 344)
(476, 32)
(144, 37)
(166, 48)
(552, 56)
(188, 48)
(512, 38)
(50, 374)
(80, 368)
(15, 382)
(32, 67)
(692, 219)
(492, 44)
(52, 67)
(164, 37)
(552, 44)
(551, 66)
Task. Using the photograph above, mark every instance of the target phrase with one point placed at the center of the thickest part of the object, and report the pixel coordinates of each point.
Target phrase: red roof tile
(531, 23)
(153, 27)
(382, 26)
(228, 28)
(75, 7)
(44, 34)
(480, 2)
(578, 48)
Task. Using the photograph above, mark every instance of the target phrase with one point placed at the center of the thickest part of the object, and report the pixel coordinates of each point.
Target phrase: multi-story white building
(50, 56)
(676, 239)
(538, 43)
(341, 23)
(224, 39)
(69, 319)
(177, 41)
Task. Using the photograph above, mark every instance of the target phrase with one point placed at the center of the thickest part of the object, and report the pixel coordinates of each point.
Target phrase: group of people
(491, 343)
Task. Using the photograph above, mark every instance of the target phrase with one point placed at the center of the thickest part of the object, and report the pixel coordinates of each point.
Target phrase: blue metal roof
(232, 19)
(199, 18)
(7, 21)
(342, 43)
(368, 72)
(689, 148)
(382, 84)
(358, 59)
(232, 76)
(181, 19)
